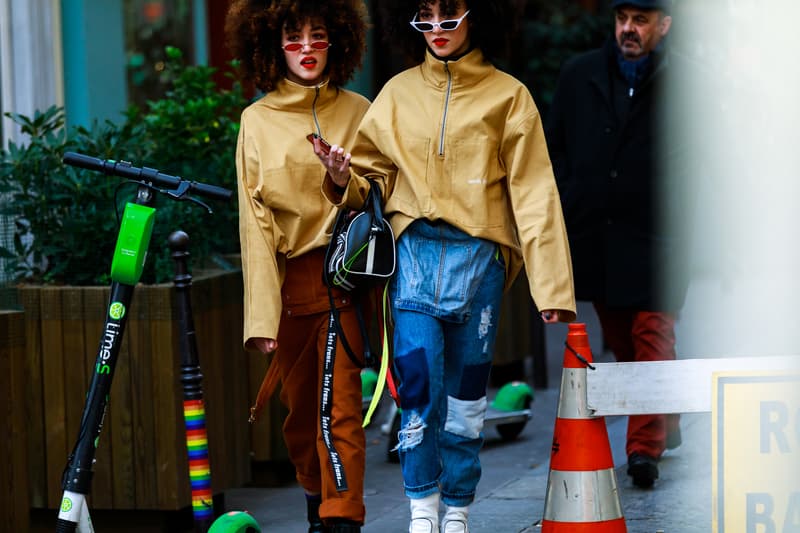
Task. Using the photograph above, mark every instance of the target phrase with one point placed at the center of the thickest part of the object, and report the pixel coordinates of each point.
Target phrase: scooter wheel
(510, 431)
(235, 522)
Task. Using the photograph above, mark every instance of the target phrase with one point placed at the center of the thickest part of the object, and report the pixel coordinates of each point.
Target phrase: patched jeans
(445, 301)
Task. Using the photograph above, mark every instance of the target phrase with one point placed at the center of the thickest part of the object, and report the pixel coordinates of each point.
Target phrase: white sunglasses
(446, 25)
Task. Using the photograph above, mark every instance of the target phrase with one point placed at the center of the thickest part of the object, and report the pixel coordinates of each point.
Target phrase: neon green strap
(376, 397)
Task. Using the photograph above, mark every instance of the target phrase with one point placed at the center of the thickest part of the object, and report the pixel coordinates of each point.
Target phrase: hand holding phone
(323, 144)
(338, 169)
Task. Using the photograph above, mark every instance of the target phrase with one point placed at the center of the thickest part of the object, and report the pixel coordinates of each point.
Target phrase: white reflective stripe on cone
(582, 496)
(572, 400)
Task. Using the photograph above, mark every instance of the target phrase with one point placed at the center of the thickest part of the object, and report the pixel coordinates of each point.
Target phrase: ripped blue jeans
(445, 301)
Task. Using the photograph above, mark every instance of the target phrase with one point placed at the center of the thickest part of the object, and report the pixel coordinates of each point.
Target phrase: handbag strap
(326, 405)
(375, 209)
(384, 371)
(340, 331)
(266, 389)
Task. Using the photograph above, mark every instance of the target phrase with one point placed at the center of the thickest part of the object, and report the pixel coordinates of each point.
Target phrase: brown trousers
(300, 359)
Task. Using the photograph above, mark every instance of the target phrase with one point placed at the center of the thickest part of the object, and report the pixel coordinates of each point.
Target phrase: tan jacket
(463, 142)
(282, 213)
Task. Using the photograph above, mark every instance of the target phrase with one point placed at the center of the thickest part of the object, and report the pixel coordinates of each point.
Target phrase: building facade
(95, 57)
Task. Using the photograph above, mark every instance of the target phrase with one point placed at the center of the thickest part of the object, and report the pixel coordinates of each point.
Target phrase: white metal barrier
(680, 386)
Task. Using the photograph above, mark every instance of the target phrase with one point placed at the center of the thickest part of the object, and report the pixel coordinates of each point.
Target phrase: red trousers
(300, 358)
(641, 336)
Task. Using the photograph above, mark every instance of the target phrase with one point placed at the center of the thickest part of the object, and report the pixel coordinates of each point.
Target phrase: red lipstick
(308, 62)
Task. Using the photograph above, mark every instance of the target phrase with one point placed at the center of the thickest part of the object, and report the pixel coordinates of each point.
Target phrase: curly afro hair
(253, 35)
(489, 25)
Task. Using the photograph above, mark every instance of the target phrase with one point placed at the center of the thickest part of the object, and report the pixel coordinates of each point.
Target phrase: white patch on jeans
(465, 417)
(486, 321)
(410, 435)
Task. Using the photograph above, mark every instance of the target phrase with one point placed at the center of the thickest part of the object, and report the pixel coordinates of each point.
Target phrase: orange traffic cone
(582, 491)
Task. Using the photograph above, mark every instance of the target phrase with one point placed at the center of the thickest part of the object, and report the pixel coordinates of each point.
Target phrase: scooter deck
(493, 418)
(497, 418)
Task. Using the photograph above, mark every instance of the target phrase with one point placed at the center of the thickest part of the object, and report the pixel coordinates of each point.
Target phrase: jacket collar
(289, 95)
(468, 69)
(658, 57)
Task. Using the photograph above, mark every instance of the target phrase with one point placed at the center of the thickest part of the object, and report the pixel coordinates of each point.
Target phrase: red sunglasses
(315, 45)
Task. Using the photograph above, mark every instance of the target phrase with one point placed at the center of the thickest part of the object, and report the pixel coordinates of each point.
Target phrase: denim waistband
(439, 269)
(438, 229)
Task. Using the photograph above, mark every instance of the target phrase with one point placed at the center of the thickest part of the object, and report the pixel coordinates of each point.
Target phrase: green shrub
(192, 133)
(64, 217)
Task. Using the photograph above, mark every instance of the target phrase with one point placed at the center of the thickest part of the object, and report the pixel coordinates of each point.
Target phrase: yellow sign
(756, 453)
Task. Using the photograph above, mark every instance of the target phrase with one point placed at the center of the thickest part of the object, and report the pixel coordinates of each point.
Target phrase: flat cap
(663, 5)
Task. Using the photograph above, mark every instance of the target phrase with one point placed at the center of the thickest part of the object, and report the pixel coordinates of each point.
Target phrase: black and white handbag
(362, 252)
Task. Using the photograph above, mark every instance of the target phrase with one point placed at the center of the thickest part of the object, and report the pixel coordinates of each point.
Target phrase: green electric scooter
(132, 244)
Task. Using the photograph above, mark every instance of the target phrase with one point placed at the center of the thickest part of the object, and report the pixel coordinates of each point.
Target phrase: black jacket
(609, 160)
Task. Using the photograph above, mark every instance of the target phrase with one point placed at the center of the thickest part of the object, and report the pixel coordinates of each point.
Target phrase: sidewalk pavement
(511, 493)
(510, 496)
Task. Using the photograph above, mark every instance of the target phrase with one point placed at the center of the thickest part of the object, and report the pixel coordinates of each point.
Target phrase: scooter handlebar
(124, 169)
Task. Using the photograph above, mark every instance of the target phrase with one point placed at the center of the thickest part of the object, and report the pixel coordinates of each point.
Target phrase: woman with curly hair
(458, 149)
(300, 53)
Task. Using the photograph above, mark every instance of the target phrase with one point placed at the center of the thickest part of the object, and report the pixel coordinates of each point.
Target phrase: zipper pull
(630, 92)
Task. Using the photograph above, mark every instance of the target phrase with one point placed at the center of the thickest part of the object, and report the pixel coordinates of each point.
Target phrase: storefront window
(150, 26)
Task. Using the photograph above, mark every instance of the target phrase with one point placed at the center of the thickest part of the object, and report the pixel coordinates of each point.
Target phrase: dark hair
(490, 25)
(253, 35)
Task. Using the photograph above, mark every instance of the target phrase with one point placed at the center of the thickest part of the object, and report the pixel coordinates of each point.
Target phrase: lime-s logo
(66, 505)
(116, 311)
(107, 343)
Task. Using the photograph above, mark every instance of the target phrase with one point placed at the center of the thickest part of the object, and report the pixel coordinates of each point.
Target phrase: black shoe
(344, 526)
(315, 524)
(643, 469)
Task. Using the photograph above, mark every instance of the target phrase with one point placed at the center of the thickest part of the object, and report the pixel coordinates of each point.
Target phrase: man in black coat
(606, 137)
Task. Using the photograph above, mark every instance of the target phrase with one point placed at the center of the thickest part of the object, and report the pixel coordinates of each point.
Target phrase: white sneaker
(455, 520)
(423, 525)
(425, 514)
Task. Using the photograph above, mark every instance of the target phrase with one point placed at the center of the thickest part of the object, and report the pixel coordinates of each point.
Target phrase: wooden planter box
(13, 423)
(141, 456)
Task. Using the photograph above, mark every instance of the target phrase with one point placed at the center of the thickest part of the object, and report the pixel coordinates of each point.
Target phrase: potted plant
(58, 260)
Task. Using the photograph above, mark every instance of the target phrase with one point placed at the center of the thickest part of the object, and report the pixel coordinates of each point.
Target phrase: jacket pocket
(282, 189)
(476, 184)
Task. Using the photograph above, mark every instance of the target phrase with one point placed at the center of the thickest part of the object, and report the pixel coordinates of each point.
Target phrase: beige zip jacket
(282, 213)
(463, 142)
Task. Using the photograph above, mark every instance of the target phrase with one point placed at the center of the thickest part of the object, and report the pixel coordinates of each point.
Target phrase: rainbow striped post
(194, 411)
(194, 414)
